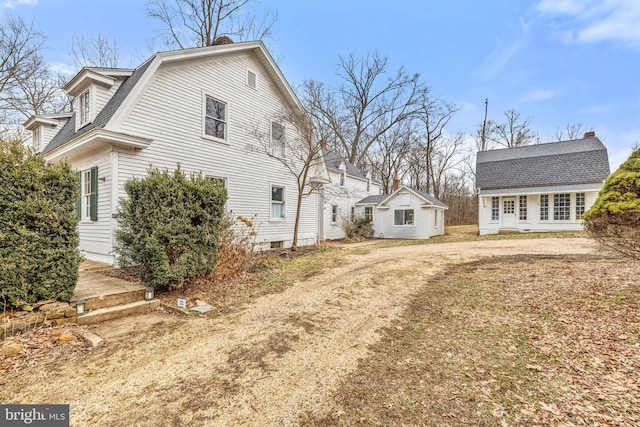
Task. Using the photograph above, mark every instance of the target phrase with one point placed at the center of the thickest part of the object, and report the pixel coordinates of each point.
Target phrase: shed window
(544, 207)
(403, 217)
(523, 208)
(495, 208)
(580, 205)
(368, 213)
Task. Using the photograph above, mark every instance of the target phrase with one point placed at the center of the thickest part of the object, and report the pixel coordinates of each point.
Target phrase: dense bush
(39, 254)
(170, 226)
(614, 219)
(357, 228)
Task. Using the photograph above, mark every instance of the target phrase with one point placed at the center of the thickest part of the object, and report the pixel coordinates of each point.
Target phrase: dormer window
(84, 108)
(37, 139)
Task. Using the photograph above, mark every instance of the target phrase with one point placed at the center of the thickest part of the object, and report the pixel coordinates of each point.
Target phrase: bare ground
(282, 359)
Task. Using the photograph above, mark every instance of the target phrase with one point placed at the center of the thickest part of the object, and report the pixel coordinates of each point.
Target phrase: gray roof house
(544, 187)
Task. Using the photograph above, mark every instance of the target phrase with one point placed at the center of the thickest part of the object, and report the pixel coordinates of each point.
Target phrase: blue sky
(558, 61)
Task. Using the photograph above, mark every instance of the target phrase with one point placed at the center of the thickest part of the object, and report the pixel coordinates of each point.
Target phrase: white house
(544, 187)
(348, 184)
(406, 213)
(199, 107)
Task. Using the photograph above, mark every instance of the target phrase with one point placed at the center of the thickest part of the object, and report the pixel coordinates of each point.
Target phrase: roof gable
(131, 90)
(566, 162)
(385, 198)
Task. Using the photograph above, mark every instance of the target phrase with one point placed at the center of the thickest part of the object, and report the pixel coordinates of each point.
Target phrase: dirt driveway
(269, 362)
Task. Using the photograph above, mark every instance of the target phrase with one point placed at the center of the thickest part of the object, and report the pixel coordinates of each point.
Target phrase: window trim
(564, 205)
(580, 208)
(255, 79)
(205, 135)
(334, 214)
(495, 208)
(283, 202)
(88, 204)
(83, 115)
(523, 213)
(404, 218)
(369, 215)
(283, 145)
(544, 209)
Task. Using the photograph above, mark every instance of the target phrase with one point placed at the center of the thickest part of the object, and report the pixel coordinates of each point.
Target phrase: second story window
(277, 140)
(84, 108)
(215, 118)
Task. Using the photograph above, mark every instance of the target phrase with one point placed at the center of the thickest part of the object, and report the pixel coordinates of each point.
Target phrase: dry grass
(516, 341)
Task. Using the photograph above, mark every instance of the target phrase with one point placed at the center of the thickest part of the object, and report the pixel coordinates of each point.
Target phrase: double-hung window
(495, 209)
(544, 207)
(215, 118)
(580, 205)
(277, 202)
(84, 108)
(562, 207)
(88, 204)
(277, 140)
(403, 217)
(368, 213)
(334, 214)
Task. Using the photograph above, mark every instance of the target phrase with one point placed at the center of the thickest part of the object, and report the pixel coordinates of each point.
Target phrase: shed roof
(576, 161)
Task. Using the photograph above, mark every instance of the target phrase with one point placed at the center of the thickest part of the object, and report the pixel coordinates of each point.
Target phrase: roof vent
(591, 134)
(222, 40)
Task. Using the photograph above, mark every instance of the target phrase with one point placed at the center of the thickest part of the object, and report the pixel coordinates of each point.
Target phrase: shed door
(509, 212)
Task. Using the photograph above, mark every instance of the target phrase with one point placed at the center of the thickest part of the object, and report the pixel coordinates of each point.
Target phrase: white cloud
(505, 50)
(537, 95)
(592, 21)
(13, 3)
(66, 69)
(599, 108)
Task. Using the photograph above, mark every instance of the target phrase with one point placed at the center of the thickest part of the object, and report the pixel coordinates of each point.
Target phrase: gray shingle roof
(567, 162)
(377, 199)
(68, 131)
(333, 160)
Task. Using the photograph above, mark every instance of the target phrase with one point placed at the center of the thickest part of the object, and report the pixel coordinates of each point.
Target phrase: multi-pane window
(342, 177)
(277, 202)
(403, 217)
(580, 202)
(368, 213)
(84, 106)
(215, 118)
(562, 207)
(334, 213)
(495, 208)
(544, 207)
(88, 203)
(277, 140)
(509, 206)
(522, 209)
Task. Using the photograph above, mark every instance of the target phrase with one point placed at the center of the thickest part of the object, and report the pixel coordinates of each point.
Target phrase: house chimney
(396, 183)
(591, 134)
(323, 144)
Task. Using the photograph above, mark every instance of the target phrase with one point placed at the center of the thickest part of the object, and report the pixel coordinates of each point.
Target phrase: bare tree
(97, 51)
(197, 23)
(20, 47)
(388, 157)
(292, 142)
(513, 132)
(368, 102)
(571, 131)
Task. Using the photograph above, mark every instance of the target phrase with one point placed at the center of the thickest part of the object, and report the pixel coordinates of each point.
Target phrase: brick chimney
(396, 183)
(323, 144)
(590, 134)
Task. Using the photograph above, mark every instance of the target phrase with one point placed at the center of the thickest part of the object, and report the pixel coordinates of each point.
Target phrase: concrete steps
(116, 312)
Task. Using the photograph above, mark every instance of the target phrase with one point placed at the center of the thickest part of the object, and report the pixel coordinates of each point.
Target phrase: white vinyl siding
(170, 112)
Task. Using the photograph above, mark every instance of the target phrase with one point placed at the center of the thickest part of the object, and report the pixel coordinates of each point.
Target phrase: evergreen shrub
(39, 254)
(169, 226)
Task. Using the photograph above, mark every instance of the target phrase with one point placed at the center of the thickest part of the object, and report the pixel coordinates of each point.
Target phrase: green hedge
(614, 219)
(39, 254)
(169, 227)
